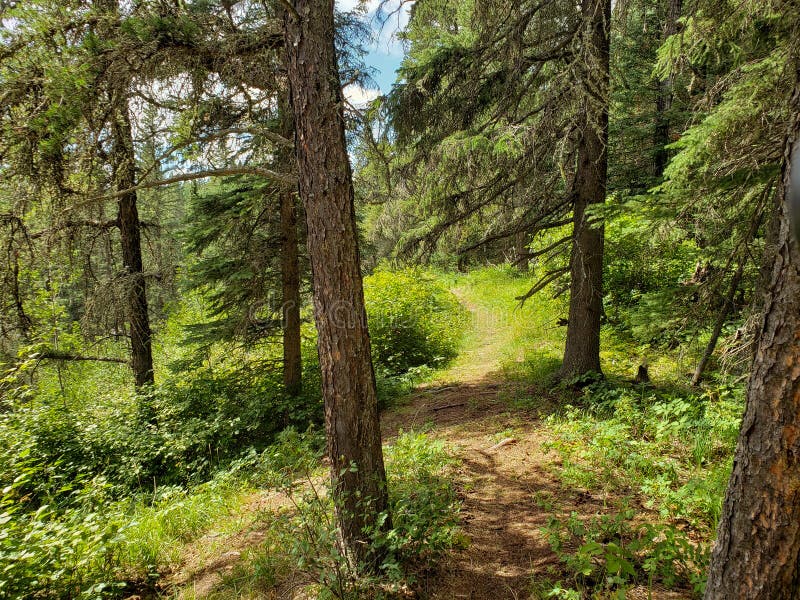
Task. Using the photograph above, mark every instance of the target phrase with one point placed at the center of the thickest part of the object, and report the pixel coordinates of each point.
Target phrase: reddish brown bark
(326, 190)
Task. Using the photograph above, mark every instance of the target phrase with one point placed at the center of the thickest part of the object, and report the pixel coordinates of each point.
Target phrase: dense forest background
(592, 193)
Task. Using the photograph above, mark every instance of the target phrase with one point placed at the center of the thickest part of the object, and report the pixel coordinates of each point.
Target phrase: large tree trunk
(582, 351)
(290, 271)
(758, 541)
(124, 165)
(326, 189)
(664, 97)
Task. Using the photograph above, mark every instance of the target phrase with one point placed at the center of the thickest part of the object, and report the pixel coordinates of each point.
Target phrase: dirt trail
(505, 479)
(501, 478)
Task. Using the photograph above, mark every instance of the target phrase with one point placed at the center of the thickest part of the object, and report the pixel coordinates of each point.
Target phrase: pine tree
(326, 189)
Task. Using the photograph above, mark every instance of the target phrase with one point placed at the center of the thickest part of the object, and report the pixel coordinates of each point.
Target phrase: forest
(515, 317)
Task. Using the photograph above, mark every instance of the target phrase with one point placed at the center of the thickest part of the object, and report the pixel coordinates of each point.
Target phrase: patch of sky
(385, 51)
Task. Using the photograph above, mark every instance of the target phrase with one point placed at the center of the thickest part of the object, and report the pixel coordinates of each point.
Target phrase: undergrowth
(300, 549)
(672, 449)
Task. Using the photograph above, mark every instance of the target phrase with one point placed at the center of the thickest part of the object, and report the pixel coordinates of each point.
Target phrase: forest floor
(493, 424)
(506, 478)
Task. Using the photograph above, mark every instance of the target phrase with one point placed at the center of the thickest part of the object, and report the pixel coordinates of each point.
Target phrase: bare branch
(543, 282)
(64, 356)
(283, 178)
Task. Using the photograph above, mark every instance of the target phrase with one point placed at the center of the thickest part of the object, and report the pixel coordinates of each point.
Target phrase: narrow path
(506, 479)
(503, 482)
(503, 478)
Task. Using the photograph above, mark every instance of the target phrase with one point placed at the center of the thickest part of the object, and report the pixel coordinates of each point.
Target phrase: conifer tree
(326, 189)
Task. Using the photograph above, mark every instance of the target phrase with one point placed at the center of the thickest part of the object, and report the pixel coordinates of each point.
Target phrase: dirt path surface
(506, 479)
(503, 477)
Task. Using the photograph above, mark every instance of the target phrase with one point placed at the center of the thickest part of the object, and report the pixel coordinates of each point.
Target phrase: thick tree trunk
(582, 351)
(664, 97)
(124, 165)
(326, 189)
(757, 551)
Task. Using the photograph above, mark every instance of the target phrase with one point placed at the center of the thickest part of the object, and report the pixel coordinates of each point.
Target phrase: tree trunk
(290, 267)
(326, 189)
(124, 166)
(758, 540)
(719, 324)
(290, 274)
(664, 97)
(582, 351)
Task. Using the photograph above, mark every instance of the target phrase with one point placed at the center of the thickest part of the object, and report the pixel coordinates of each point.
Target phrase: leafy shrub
(676, 448)
(58, 551)
(413, 319)
(179, 433)
(613, 553)
(423, 502)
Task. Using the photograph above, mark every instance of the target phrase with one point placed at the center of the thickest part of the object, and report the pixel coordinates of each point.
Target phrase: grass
(666, 448)
(297, 546)
(156, 538)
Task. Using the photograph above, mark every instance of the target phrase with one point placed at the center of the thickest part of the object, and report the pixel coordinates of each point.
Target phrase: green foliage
(301, 544)
(65, 551)
(177, 433)
(85, 544)
(413, 319)
(614, 553)
(233, 236)
(674, 447)
(423, 504)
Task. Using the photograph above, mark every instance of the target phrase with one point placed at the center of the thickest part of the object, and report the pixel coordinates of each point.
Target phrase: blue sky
(386, 52)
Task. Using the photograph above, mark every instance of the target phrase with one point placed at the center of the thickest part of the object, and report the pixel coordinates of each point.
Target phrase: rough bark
(664, 97)
(582, 350)
(758, 540)
(290, 276)
(326, 190)
(124, 166)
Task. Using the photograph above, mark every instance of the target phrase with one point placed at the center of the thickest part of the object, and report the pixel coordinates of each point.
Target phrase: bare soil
(508, 487)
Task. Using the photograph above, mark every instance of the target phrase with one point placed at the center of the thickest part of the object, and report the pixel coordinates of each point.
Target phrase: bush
(413, 320)
(674, 447)
(58, 551)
